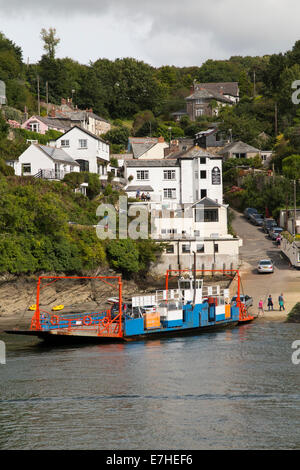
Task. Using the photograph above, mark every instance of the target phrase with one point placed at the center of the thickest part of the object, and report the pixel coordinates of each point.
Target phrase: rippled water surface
(235, 389)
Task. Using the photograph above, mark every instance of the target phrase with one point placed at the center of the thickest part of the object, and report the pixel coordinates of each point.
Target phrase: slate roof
(207, 202)
(53, 122)
(85, 131)
(57, 154)
(228, 88)
(194, 152)
(204, 94)
(151, 163)
(238, 147)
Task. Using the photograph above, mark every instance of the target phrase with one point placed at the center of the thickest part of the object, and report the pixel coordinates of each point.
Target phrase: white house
(199, 229)
(187, 210)
(45, 162)
(89, 150)
(192, 175)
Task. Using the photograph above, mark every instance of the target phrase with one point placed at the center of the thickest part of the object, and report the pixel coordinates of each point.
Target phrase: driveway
(286, 280)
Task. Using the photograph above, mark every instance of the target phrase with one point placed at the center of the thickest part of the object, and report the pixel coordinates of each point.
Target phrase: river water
(234, 389)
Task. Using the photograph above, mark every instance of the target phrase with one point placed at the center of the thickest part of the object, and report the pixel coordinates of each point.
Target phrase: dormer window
(34, 126)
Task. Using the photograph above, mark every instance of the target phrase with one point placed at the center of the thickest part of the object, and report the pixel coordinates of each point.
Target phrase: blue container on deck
(134, 326)
(172, 323)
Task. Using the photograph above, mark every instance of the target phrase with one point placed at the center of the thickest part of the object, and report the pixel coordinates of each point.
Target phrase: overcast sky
(178, 32)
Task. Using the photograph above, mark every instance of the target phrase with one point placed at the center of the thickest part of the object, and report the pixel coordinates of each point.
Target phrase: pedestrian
(260, 307)
(148, 197)
(278, 240)
(270, 303)
(281, 302)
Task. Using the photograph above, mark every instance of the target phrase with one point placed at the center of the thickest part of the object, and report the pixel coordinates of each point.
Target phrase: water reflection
(232, 389)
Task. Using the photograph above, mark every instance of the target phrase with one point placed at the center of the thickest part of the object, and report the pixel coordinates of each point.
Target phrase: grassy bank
(294, 315)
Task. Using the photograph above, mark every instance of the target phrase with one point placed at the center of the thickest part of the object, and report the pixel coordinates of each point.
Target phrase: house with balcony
(182, 178)
(91, 152)
(76, 150)
(198, 229)
(43, 161)
(186, 206)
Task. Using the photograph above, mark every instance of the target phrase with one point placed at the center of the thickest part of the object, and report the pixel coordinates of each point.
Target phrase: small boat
(189, 309)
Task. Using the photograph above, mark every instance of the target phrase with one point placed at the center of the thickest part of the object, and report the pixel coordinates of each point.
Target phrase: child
(260, 307)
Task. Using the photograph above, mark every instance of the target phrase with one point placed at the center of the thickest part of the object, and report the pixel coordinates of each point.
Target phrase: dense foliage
(35, 233)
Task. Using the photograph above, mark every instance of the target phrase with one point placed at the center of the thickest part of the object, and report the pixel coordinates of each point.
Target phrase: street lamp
(170, 131)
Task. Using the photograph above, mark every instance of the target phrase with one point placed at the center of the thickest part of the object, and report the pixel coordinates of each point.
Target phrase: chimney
(160, 139)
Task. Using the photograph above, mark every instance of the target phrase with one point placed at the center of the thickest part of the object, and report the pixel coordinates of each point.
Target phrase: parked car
(249, 211)
(257, 219)
(268, 224)
(245, 299)
(265, 266)
(274, 232)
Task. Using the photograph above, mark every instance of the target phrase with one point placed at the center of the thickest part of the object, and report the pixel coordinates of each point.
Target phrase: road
(286, 280)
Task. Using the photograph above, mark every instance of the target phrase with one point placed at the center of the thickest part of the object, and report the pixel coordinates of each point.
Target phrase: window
(200, 248)
(199, 112)
(169, 175)
(203, 193)
(211, 215)
(203, 174)
(240, 155)
(82, 143)
(216, 248)
(34, 126)
(142, 175)
(65, 143)
(170, 249)
(170, 193)
(186, 249)
(84, 165)
(199, 101)
(26, 168)
(196, 233)
(202, 160)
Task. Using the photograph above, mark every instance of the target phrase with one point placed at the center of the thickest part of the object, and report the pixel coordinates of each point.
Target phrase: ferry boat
(190, 309)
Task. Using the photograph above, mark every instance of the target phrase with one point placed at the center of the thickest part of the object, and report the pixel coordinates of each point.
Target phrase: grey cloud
(195, 29)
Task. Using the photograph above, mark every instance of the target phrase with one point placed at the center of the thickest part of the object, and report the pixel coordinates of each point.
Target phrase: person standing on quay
(270, 303)
(281, 302)
(260, 307)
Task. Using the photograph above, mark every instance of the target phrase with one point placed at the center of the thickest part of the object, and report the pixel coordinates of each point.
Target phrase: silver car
(265, 266)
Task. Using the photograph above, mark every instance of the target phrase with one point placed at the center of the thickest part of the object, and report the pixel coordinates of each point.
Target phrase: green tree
(291, 167)
(124, 256)
(50, 41)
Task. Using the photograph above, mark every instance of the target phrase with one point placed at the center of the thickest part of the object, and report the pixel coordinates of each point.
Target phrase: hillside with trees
(139, 100)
